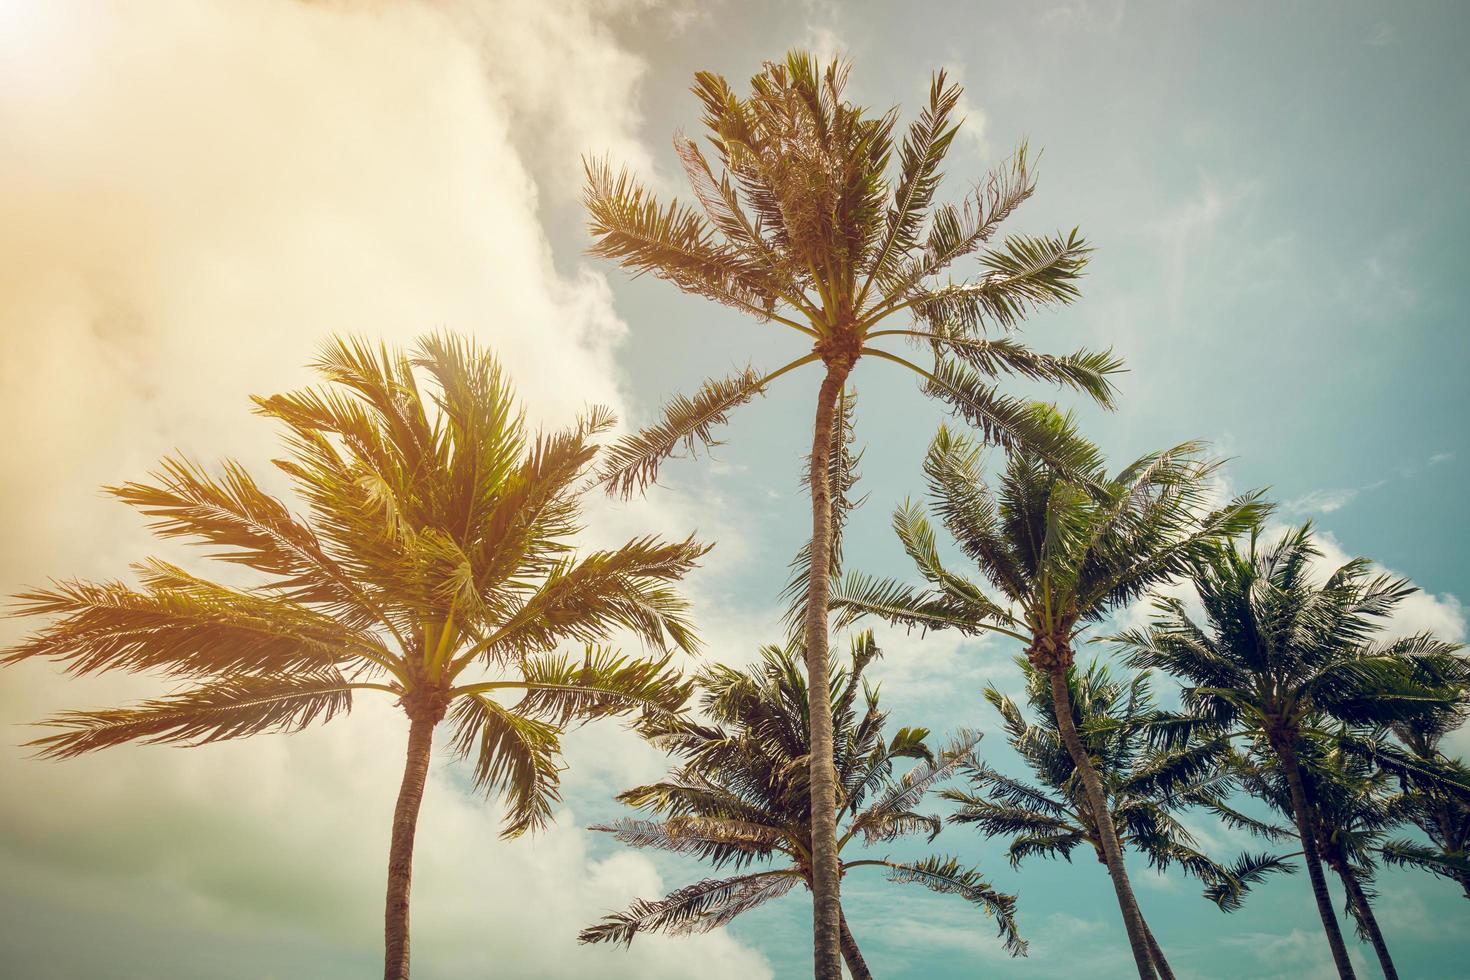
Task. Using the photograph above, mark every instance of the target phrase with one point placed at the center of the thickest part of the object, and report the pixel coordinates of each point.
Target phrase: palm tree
(739, 796)
(1282, 655)
(433, 567)
(802, 222)
(1145, 788)
(1062, 548)
(1441, 813)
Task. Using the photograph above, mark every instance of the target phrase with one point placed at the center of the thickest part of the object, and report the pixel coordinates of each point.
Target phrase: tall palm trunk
(1285, 746)
(1156, 952)
(1098, 801)
(1369, 921)
(400, 853)
(856, 966)
(826, 900)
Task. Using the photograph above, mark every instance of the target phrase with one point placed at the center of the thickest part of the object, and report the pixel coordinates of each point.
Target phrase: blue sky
(1276, 195)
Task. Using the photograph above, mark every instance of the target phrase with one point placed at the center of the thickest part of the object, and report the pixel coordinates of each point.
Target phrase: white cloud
(192, 195)
(1439, 458)
(1322, 501)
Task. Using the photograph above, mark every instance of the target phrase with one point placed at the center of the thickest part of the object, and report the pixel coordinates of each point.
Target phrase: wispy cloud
(1321, 501)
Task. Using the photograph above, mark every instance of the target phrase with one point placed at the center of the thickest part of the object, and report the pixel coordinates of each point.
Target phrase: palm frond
(947, 876)
(515, 758)
(696, 908)
(631, 463)
(234, 708)
(560, 690)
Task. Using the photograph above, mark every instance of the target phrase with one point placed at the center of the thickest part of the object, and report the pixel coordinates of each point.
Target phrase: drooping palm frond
(718, 841)
(515, 757)
(560, 690)
(696, 908)
(237, 707)
(632, 463)
(1228, 890)
(947, 876)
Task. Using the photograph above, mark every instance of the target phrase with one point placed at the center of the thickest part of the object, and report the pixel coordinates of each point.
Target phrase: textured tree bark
(400, 853)
(1098, 801)
(1370, 922)
(1156, 952)
(857, 967)
(826, 897)
(1311, 857)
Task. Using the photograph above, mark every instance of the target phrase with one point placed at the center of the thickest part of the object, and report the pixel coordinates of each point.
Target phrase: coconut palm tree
(739, 797)
(1282, 654)
(1145, 788)
(1062, 547)
(433, 565)
(1441, 812)
(813, 216)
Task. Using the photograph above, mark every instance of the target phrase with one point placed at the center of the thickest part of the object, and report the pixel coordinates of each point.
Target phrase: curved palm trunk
(1311, 857)
(1365, 916)
(826, 906)
(1138, 938)
(851, 955)
(400, 853)
(1156, 952)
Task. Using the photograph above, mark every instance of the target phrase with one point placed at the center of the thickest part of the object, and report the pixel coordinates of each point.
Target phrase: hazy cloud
(192, 196)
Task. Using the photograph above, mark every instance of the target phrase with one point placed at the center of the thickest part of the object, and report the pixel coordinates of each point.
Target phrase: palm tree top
(738, 795)
(814, 215)
(1282, 645)
(1056, 549)
(434, 562)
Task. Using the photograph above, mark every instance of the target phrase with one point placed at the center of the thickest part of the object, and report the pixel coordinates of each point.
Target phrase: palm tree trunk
(1156, 952)
(1369, 921)
(826, 899)
(400, 853)
(1097, 800)
(856, 966)
(1286, 748)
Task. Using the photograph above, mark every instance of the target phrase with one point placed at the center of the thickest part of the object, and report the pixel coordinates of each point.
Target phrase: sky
(193, 194)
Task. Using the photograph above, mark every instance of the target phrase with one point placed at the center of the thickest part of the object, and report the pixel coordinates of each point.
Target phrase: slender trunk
(1370, 923)
(826, 901)
(853, 956)
(1286, 748)
(400, 853)
(1156, 952)
(1098, 801)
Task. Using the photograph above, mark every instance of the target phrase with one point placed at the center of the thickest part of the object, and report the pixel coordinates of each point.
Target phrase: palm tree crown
(740, 796)
(800, 221)
(434, 566)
